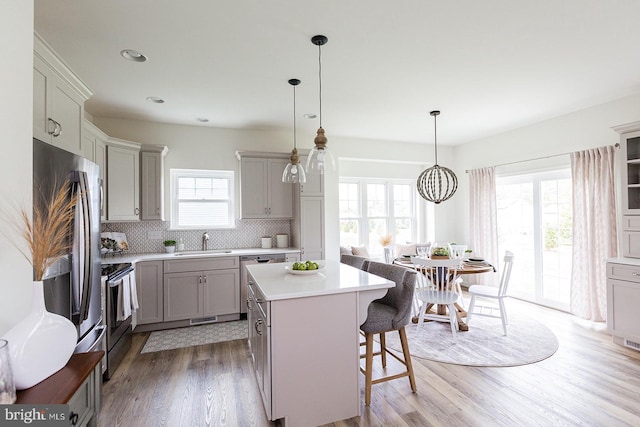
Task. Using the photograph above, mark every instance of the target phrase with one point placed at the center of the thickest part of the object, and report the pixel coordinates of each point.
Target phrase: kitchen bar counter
(133, 258)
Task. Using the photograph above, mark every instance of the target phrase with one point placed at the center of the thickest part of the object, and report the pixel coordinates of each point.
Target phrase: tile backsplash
(247, 234)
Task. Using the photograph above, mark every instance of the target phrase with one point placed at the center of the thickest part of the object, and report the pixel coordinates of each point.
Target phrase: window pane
(403, 230)
(535, 222)
(376, 200)
(377, 229)
(402, 200)
(201, 199)
(203, 214)
(349, 200)
(349, 232)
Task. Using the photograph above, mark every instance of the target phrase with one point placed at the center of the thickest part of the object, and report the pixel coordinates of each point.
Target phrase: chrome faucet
(205, 241)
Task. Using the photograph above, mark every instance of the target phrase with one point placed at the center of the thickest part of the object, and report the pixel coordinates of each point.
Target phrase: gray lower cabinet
(84, 405)
(201, 287)
(149, 278)
(623, 299)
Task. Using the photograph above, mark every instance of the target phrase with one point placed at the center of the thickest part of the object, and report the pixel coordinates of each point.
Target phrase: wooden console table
(78, 384)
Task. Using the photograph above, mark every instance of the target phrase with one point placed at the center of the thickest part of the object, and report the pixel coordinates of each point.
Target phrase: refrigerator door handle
(80, 178)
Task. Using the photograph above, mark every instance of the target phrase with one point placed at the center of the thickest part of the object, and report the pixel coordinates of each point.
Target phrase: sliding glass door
(535, 222)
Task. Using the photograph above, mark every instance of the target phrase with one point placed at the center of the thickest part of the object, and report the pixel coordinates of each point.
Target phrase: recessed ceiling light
(309, 116)
(133, 55)
(202, 119)
(155, 99)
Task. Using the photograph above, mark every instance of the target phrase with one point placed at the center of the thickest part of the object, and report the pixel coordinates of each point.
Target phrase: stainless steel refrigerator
(72, 285)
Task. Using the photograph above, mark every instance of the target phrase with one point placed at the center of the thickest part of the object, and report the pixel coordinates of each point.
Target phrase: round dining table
(466, 268)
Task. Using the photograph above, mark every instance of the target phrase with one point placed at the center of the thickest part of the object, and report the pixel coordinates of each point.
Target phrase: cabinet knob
(136, 211)
(258, 326)
(249, 305)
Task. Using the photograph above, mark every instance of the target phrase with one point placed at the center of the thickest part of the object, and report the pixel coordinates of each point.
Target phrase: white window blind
(202, 199)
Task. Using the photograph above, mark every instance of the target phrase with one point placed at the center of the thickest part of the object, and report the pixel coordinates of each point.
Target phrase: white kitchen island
(304, 339)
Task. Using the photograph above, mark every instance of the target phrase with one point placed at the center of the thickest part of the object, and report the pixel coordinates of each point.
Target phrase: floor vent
(213, 319)
(631, 344)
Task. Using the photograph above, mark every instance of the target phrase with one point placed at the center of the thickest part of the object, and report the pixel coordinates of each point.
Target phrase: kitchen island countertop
(276, 283)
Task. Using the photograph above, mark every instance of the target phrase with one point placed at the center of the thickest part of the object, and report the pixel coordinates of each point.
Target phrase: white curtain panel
(484, 231)
(594, 230)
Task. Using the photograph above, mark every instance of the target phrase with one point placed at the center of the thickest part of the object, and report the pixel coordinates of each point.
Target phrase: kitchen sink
(213, 251)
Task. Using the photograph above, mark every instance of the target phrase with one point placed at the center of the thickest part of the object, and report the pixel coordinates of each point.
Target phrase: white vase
(40, 344)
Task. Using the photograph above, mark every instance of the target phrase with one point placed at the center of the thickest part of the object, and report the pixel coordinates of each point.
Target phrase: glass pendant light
(293, 172)
(320, 158)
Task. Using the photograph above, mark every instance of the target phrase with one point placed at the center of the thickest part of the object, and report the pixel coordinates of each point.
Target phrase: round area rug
(483, 344)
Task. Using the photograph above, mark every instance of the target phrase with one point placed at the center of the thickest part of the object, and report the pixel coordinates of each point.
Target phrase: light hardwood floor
(589, 381)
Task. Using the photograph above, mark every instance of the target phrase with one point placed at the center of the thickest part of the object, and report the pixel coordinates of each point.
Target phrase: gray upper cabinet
(58, 100)
(152, 183)
(123, 180)
(263, 195)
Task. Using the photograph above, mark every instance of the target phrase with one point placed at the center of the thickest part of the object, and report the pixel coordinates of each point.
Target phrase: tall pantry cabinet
(308, 228)
(623, 274)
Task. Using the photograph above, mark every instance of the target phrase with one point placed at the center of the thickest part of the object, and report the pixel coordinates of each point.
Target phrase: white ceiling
(489, 65)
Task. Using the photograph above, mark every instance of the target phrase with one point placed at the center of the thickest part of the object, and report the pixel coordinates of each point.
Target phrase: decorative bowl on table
(291, 270)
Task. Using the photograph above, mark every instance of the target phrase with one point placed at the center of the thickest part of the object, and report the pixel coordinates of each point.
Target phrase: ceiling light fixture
(437, 183)
(133, 55)
(293, 172)
(155, 99)
(320, 158)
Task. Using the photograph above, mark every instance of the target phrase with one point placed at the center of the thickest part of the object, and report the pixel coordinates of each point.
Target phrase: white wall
(16, 87)
(588, 128)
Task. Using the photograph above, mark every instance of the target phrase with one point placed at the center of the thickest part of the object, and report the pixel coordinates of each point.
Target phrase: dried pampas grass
(386, 240)
(48, 233)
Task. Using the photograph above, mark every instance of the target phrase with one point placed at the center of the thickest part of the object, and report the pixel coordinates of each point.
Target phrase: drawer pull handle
(258, 326)
(73, 418)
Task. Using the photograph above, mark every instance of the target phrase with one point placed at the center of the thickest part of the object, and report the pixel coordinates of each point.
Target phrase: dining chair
(352, 260)
(492, 293)
(438, 287)
(389, 313)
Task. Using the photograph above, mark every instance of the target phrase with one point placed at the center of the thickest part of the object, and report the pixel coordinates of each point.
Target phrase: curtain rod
(616, 145)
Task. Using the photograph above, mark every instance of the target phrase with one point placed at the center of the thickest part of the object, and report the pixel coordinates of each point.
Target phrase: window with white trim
(202, 199)
(372, 208)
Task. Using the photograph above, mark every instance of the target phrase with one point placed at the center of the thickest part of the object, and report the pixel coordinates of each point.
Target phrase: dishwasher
(249, 260)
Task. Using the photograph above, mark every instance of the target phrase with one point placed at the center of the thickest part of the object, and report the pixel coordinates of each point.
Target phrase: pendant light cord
(435, 136)
(320, 79)
(294, 117)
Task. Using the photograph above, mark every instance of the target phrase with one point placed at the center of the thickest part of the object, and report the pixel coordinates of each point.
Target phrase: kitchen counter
(276, 283)
(133, 258)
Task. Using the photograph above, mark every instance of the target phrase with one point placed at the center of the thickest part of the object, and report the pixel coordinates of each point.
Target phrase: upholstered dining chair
(438, 287)
(353, 260)
(492, 293)
(389, 313)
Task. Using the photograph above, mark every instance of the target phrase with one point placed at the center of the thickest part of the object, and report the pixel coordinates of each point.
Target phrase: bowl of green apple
(304, 268)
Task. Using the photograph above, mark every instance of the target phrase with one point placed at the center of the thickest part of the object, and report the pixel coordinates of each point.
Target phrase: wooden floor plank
(590, 381)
